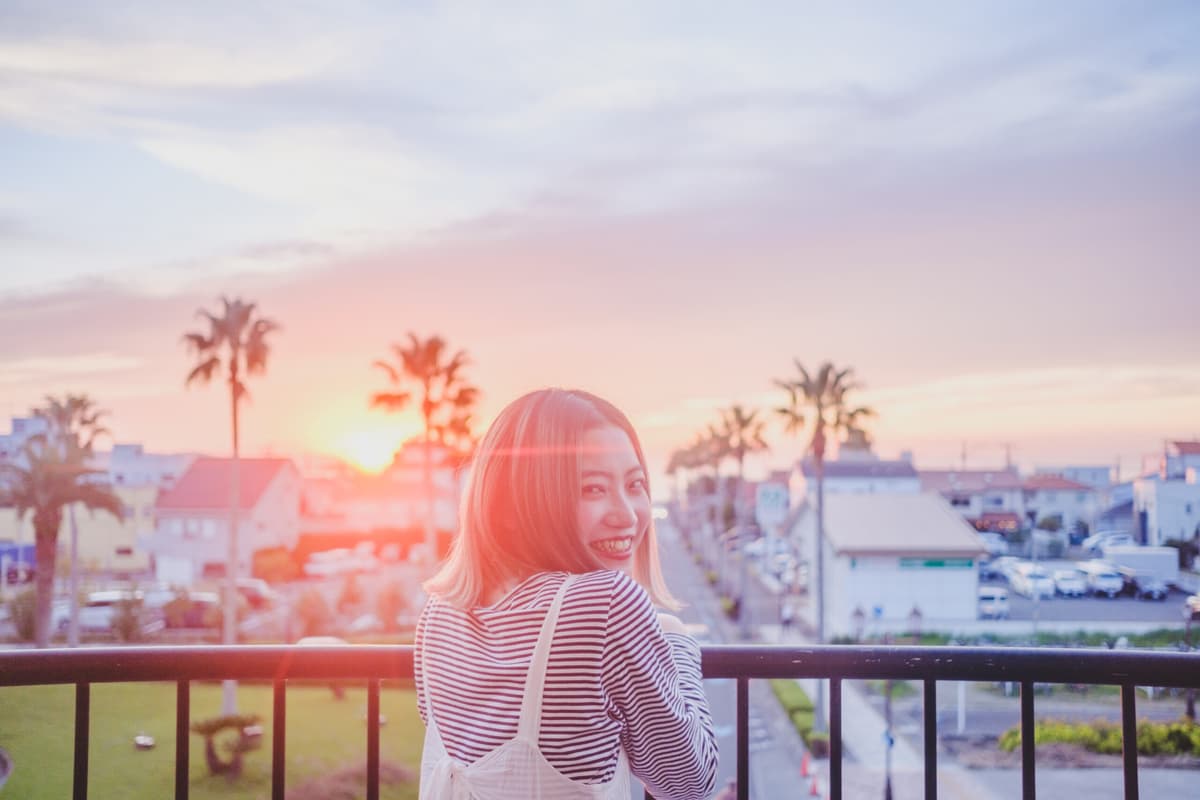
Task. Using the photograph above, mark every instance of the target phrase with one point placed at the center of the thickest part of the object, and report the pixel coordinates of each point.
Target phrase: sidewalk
(865, 749)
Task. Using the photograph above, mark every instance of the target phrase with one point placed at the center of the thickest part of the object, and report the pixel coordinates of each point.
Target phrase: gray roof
(901, 524)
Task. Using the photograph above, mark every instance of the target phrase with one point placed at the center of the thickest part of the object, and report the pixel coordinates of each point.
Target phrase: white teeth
(614, 545)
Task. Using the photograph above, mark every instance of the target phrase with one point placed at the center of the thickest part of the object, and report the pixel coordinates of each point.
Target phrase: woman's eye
(638, 485)
(593, 490)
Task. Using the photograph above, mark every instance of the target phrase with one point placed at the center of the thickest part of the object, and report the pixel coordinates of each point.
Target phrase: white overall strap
(530, 724)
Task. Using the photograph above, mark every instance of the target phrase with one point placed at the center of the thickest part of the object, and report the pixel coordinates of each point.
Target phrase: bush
(127, 620)
(313, 611)
(818, 744)
(1153, 738)
(21, 609)
(389, 604)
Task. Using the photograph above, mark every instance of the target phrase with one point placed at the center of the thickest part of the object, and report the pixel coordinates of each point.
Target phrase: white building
(991, 500)
(191, 537)
(21, 429)
(1048, 496)
(1165, 510)
(131, 465)
(887, 554)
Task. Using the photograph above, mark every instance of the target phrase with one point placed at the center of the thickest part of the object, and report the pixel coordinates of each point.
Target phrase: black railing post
(183, 717)
(373, 739)
(1028, 783)
(1129, 748)
(835, 738)
(279, 741)
(743, 738)
(930, 739)
(83, 712)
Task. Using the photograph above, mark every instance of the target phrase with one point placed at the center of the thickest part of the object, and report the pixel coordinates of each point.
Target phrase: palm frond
(203, 372)
(390, 401)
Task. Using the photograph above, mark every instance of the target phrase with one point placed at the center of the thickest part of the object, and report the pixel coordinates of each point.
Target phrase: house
(1048, 496)
(191, 535)
(886, 554)
(1175, 460)
(991, 500)
(1097, 477)
(1165, 509)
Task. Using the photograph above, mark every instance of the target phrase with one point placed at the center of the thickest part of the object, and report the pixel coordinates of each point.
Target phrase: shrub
(313, 612)
(21, 610)
(127, 620)
(389, 604)
(818, 744)
(1101, 736)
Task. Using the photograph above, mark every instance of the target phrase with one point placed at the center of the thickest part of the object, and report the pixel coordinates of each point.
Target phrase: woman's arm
(651, 673)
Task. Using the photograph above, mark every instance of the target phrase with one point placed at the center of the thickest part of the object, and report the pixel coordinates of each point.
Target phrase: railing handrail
(25, 667)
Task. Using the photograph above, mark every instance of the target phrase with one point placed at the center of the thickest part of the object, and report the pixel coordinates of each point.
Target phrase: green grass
(323, 735)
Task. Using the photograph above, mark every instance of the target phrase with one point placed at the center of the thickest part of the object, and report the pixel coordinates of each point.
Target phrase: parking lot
(1122, 608)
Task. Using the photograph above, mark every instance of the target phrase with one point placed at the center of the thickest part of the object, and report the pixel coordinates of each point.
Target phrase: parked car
(1070, 583)
(1031, 580)
(1004, 566)
(1102, 578)
(993, 602)
(1147, 586)
(994, 543)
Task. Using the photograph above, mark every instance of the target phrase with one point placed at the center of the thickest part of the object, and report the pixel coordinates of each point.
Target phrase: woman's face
(614, 504)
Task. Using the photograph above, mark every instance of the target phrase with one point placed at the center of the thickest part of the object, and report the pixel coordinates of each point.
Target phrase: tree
(76, 420)
(447, 401)
(821, 399)
(236, 341)
(50, 473)
(744, 433)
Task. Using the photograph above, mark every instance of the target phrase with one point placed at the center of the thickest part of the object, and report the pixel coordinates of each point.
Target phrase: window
(124, 551)
(1187, 509)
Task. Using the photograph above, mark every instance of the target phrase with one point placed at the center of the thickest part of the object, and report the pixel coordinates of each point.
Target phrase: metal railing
(1126, 669)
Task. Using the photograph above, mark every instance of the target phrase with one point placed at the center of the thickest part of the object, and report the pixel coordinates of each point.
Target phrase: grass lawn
(323, 735)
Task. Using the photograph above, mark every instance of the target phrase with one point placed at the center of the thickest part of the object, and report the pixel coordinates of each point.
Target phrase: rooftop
(860, 469)
(917, 524)
(969, 481)
(207, 481)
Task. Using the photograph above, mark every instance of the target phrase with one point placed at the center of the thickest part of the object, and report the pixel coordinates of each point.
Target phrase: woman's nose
(621, 513)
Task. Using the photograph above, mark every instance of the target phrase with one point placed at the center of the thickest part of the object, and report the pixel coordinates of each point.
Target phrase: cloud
(39, 369)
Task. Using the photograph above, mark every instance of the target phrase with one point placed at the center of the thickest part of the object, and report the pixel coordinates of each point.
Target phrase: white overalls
(516, 770)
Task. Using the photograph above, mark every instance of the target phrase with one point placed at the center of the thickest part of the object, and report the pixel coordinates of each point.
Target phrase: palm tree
(237, 341)
(447, 401)
(49, 473)
(823, 400)
(75, 420)
(744, 432)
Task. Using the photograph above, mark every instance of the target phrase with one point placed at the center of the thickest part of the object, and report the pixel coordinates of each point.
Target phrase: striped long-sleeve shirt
(614, 679)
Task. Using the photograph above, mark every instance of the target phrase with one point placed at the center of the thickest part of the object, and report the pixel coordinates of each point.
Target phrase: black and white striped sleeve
(654, 683)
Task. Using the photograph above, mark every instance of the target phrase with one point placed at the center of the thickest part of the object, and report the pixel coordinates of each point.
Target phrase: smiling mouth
(620, 546)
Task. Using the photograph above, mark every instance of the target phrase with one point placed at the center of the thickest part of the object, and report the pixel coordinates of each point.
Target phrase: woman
(543, 669)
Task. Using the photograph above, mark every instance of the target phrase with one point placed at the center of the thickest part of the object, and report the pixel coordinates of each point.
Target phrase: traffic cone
(804, 767)
(815, 790)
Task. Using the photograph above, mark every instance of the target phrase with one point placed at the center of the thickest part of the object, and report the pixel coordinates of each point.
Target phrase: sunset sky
(988, 209)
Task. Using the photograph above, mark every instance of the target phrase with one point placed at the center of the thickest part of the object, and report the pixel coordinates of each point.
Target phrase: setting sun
(371, 448)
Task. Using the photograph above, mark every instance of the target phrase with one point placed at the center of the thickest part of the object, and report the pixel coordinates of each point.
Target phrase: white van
(993, 602)
(1102, 578)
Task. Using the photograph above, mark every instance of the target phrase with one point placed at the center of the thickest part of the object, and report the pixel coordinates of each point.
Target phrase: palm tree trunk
(73, 583)
(819, 711)
(229, 688)
(45, 534)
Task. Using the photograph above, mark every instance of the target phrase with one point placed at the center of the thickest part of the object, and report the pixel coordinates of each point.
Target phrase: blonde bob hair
(520, 509)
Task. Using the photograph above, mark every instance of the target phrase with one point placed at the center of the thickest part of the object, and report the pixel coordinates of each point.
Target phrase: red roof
(968, 481)
(1187, 448)
(207, 482)
(1055, 483)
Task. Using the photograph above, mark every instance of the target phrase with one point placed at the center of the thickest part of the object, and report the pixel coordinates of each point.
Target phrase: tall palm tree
(447, 401)
(744, 432)
(821, 399)
(50, 473)
(236, 340)
(74, 420)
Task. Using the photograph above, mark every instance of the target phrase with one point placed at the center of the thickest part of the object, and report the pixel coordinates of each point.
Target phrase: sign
(936, 563)
(770, 504)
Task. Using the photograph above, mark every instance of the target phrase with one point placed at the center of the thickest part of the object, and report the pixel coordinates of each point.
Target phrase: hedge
(1102, 736)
